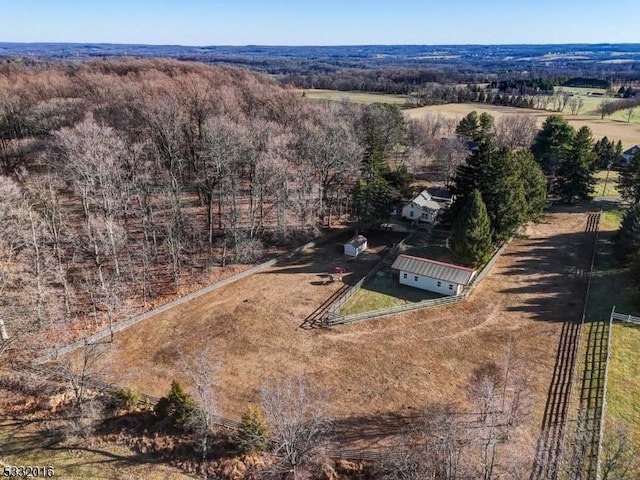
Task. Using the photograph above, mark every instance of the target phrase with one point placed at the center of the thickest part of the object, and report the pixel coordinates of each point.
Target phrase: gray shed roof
(357, 241)
(434, 269)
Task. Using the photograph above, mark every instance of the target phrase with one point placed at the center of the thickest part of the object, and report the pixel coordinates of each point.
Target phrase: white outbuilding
(432, 275)
(355, 246)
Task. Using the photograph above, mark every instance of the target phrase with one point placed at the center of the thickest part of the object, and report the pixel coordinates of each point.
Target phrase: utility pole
(606, 180)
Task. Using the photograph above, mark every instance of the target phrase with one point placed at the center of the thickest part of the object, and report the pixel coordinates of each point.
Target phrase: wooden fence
(331, 318)
(118, 327)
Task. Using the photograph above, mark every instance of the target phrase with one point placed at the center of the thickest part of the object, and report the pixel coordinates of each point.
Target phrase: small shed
(432, 275)
(355, 246)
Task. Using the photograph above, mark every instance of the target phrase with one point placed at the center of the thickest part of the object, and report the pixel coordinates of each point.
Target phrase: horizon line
(254, 45)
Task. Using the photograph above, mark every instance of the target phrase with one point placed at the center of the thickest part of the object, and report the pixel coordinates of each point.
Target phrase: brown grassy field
(395, 365)
(23, 442)
(614, 129)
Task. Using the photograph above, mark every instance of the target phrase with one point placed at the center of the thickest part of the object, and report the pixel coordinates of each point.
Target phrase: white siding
(415, 212)
(352, 251)
(430, 284)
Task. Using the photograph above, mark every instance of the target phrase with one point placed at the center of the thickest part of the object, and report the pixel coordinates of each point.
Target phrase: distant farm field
(614, 129)
(616, 126)
(355, 97)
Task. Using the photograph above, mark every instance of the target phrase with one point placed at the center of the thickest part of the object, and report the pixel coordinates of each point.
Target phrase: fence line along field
(395, 365)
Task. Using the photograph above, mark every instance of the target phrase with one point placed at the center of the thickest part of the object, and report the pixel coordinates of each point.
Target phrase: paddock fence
(332, 319)
(118, 327)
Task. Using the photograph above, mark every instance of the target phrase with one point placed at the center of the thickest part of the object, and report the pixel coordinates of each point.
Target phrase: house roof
(472, 145)
(356, 241)
(440, 193)
(423, 200)
(426, 267)
(632, 151)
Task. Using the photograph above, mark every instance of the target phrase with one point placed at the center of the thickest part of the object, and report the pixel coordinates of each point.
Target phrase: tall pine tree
(576, 180)
(629, 181)
(504, 196)
(471, 233)
(628, 237)
(552, 143)
(534, 183)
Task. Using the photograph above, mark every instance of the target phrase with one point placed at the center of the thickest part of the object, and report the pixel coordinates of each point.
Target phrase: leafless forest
(122, 182)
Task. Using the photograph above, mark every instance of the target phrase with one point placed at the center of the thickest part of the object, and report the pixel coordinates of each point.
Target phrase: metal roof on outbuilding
(447, 272)
(357, 241)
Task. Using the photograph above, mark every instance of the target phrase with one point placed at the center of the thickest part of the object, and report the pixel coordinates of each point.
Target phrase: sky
(327, 22)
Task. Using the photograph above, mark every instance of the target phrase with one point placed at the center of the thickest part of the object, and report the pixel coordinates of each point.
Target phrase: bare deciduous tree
(299, 424)
(204, 374)
(515, 131)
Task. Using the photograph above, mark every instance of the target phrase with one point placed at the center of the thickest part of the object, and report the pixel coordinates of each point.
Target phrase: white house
(422, 208)
(426, 206)
(627, 155)
(438, 277)
(355, 246)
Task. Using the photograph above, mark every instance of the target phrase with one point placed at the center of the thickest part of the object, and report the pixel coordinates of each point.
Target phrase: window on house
(404, 275)
(415, 279)
(450, 287)
(439, 284)
(411, 213)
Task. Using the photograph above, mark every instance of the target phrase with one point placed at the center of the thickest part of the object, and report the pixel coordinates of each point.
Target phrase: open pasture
(355, 97)
(613, 128)
(395, 365)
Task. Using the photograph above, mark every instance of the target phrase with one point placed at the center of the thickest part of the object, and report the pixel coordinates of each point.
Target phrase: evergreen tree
(371, 198)
(487, 125)
(605, 151)
(475, 127)
(629, 181)
(473, 174)
(552, 143)
(576, 180)
(471, 233)
(534, 184)
(628, 237)
(504, 196)
(253, 432)
(469, 127)
(178, 405)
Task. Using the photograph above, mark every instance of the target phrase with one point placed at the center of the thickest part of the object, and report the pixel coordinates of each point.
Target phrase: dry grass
(395, 365)
(613, 128)
(607, 184)
(355, 97)
(25, 443)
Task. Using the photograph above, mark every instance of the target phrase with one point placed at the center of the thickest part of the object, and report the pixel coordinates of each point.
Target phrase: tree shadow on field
(550, 276)
(367, 431)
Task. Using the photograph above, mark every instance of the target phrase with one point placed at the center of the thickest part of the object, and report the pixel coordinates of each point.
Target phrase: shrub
(178, 405)
(123, 397)
(253, 433)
